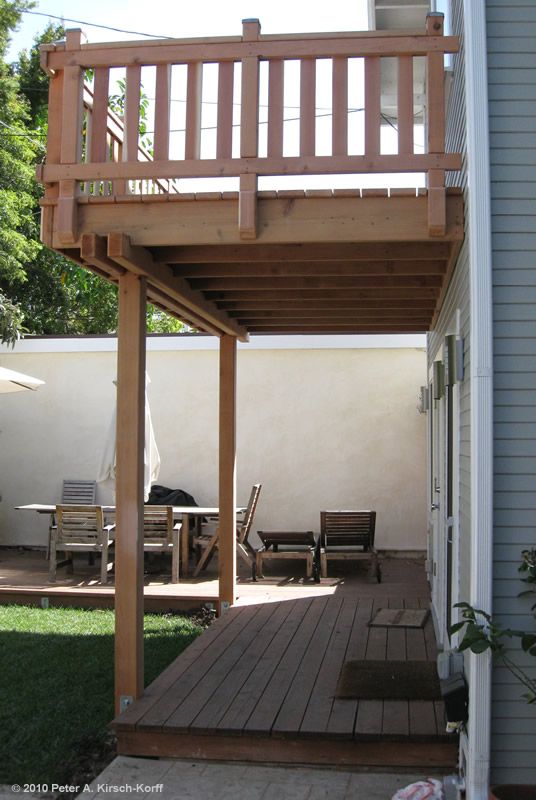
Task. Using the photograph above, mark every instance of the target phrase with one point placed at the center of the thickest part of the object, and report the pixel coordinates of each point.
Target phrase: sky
(180, 19)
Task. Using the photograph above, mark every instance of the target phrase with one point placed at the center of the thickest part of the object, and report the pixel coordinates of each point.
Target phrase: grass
(57, 684)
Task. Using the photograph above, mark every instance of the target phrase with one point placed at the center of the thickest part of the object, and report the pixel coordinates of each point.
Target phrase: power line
(94, 25)
(15, 132)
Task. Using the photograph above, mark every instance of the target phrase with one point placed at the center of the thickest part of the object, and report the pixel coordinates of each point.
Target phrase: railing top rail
(233, 48)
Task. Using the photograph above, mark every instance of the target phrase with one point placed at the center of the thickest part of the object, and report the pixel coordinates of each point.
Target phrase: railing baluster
(194, 88)
(99, 117)
(275, 108)
(162, 112)
(372, 106)
(224, 142)
(132, 113)
(339, 104)
(435, 118)
(308, 107)
(405, 104)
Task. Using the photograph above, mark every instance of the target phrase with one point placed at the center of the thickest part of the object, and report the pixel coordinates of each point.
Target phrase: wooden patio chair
(74, 492)
(79, 528)
(287, 544)
(348, 535)
(161, 535)
(206, 545)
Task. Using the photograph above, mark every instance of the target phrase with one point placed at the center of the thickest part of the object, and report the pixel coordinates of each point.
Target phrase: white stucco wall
(323, 422)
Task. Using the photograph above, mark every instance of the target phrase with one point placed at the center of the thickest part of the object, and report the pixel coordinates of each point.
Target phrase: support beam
(227, 465)
(139, 260)
(129, 490)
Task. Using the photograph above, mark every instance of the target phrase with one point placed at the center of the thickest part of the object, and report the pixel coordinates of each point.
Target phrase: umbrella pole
(129, 490)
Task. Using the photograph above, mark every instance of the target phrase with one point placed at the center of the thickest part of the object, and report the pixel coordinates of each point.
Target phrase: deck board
(196, 670)
(290, 716)
(269, 680)
(344, 712)
(223, 676)
(272, 698)
(224, 694)
(318, 712)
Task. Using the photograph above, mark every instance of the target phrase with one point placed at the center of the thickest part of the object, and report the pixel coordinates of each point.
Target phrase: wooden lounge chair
(348, 535)
(79, 528)
(287, 544)
(207, 545)
(161, 535)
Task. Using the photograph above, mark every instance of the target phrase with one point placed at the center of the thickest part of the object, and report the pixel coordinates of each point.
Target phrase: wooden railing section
(93, 151)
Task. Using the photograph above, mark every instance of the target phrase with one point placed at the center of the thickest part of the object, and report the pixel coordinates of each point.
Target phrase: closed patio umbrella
(107, 469)
(11, 381)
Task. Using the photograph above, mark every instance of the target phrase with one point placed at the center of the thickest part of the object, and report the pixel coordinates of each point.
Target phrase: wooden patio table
(182, 513)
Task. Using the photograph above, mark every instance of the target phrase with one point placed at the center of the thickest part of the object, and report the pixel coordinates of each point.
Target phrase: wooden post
(249, 133)
(435, 101)
(227, 493)
(71, 142)
(129, 490)
(55, 97)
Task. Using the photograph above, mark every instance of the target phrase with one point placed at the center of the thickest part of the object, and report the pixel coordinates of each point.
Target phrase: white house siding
(458, 300)
(323, 422)
(511, 36)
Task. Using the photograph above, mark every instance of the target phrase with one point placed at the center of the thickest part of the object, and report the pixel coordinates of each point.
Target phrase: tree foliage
(18, 153)
(40, 289)
(480, 632)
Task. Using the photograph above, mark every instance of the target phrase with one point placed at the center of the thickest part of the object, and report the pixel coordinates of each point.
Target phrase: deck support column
(227, 477)
(129, 490)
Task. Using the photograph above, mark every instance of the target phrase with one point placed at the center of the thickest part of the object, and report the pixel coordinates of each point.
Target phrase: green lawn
(57, 680)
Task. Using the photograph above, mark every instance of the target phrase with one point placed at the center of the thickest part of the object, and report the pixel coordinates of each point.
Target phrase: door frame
(444, 493)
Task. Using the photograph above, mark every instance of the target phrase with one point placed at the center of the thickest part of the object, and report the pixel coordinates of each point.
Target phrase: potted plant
(482, 633)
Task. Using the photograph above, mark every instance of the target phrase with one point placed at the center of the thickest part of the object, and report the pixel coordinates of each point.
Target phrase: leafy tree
(11, 319)
(50, 293)
(18, 152)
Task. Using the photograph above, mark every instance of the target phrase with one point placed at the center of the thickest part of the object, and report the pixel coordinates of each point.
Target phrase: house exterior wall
(511, 37)
(455, 312)
(322, 423)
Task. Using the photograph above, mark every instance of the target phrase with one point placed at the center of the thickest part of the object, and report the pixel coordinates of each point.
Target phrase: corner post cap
(251, 29)
(434, 23)
(74, 38)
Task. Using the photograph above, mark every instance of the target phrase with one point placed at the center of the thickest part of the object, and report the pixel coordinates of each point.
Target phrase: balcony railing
(96, 152)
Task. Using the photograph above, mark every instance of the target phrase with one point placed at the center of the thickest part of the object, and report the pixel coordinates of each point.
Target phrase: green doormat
(388, 680)
(399, 618)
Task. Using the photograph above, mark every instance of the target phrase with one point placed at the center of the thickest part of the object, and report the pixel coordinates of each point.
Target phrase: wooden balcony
(247, 260)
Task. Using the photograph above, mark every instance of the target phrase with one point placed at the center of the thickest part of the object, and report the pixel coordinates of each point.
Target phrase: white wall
(323, 422)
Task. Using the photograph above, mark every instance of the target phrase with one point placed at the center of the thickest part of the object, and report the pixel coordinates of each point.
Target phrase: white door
(443, 500)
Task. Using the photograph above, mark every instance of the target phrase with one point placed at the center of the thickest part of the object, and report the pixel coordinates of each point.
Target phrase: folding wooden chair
(209, 544)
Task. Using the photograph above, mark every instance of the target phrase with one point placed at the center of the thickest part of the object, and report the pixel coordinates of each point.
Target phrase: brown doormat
(388, 680)
(399, 618)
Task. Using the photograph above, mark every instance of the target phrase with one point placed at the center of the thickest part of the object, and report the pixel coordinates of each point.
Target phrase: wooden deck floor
(259, 685)
(24, 580)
